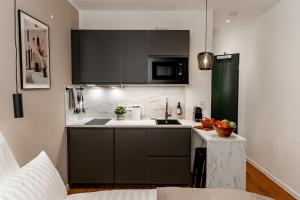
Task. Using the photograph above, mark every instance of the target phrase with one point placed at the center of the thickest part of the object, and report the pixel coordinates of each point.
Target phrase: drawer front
(169, 142)
(168, 170)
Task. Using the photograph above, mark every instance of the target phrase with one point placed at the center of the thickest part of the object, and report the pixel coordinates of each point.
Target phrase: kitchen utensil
(71, 98)
(79, 104)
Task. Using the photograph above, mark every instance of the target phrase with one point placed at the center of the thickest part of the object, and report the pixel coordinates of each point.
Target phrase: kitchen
(134, 106)
(121, 96)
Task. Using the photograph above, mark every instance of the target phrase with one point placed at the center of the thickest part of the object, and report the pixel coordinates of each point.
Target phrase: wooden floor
(256, 182)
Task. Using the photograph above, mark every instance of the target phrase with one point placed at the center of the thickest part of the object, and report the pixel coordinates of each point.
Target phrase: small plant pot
(120, 116)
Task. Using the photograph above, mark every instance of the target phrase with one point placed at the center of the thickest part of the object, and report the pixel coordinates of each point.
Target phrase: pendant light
(205, 59)
(17, 97)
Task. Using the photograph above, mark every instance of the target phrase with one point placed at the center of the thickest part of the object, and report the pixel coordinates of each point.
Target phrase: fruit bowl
(224, 132)
(207, 123)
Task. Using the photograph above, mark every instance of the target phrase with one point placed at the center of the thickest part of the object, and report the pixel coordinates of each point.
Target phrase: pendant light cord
(15, 40)
(205, 25)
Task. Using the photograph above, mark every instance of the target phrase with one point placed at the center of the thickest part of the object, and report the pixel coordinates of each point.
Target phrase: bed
(150, 194)
(40, 180)
(169, 194)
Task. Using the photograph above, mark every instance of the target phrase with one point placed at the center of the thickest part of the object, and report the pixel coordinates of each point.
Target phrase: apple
(232, 124)
(217, 123)
(224, 125)
(225, 121)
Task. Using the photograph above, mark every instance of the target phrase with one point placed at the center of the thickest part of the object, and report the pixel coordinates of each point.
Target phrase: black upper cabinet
(76, 79)
(114, 56)
(169, 43)
(100, 57)
(134, 56)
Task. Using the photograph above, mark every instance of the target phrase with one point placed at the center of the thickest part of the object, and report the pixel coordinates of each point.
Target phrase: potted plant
(120, 111)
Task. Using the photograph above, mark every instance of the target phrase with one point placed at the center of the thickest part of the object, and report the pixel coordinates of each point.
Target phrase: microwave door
(167, 70)
(164, 71)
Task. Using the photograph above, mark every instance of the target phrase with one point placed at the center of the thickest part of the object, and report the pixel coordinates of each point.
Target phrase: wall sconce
(17, 97)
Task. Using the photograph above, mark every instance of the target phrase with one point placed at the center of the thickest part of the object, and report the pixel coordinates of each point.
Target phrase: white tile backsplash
(100, 102)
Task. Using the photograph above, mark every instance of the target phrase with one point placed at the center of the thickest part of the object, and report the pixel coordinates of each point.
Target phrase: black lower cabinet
(91, 154)
(130, 156)
(168, 152)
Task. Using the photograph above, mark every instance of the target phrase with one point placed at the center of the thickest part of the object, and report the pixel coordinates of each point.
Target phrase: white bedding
(116, 195)
(37, 180)
(8, 164)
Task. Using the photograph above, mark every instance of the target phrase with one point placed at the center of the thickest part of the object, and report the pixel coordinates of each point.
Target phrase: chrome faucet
(167, 114)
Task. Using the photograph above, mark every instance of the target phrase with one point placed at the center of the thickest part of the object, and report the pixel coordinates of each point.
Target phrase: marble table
(226, 159)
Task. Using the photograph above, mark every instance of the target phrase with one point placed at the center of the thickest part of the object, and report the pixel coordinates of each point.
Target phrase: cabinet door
(130, 156)
(134, 56)
(90, 155)
(169, 42)
(100, 56)
(168, 170)
(169, 142)
(76, 77)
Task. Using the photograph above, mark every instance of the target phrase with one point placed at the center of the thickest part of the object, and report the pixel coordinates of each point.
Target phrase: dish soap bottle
(179, 110)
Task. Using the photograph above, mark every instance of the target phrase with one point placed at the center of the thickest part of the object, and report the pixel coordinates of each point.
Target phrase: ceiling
(247, 9)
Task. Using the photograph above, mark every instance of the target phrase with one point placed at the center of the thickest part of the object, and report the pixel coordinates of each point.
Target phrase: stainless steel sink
(167, 122)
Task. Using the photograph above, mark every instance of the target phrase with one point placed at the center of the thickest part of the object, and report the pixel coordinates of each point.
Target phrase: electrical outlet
(203, 105)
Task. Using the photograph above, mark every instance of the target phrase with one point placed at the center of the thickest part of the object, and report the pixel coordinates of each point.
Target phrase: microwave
(168, 70)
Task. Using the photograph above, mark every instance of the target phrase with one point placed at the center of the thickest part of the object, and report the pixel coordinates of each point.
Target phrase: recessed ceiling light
(228, 21)
(91, 85)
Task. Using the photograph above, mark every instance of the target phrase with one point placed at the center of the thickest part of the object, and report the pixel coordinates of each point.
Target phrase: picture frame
(34, 52)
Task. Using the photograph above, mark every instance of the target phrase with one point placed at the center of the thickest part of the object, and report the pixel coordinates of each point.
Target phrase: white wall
(200, 81)
(43, 126)
(269, 99)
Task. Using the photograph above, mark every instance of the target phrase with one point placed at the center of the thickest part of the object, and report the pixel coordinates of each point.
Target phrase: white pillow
(8, 164)
(38, 180)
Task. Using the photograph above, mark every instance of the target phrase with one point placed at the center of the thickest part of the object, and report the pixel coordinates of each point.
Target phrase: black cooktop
(97, 122)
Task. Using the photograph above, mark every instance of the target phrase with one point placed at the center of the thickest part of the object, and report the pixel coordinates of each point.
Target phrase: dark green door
(225, 86)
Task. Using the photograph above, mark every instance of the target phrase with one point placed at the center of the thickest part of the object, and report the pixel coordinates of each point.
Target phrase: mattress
(206, 194)
(116, 195)
(169, 194)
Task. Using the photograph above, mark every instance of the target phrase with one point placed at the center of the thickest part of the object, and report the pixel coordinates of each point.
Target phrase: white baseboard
(273, 178)
(67, 187)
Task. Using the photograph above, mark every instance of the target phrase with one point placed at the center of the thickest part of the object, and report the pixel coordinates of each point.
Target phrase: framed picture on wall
(34, 52)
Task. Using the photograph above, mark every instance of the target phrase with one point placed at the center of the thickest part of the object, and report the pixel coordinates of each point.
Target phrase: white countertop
(145, 123)
(208, 136)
